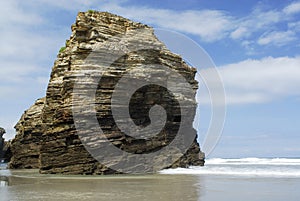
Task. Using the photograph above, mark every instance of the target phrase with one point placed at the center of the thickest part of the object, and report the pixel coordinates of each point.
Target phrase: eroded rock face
(2, 132)
(7, 151)
(25, 147)
(46, 134)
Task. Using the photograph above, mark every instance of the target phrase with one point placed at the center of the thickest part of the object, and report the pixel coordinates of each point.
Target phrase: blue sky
(254, 44)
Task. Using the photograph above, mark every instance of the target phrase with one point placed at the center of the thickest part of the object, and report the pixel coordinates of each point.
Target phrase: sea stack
(2, 132)
(26, 144)
(48, 134)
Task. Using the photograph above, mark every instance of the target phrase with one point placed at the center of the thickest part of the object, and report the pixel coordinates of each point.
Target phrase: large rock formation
(2, 132)
(47, 137)
(7, 151)
(25, 147)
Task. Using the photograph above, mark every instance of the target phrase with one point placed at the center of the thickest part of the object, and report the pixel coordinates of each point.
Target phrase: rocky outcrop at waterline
(5, 151)
(57, 134)
(2, 132)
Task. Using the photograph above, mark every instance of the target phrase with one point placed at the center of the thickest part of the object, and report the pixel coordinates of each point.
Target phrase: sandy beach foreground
(182, 184)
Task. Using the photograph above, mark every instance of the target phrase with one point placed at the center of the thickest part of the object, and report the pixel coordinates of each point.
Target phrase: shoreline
(30, 185)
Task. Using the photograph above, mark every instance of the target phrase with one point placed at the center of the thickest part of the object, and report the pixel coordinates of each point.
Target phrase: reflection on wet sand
(29, 185)
(4, 181)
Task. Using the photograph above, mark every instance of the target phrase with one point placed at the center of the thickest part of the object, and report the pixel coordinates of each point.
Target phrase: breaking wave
(260, 167)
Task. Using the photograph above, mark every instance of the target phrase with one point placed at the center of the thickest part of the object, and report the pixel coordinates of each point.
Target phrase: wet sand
(29, 185)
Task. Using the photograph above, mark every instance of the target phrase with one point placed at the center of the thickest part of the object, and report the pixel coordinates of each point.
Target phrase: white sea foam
(253, 161)
(262, 167)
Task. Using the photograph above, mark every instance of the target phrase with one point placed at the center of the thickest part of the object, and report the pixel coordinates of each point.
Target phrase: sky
(254, 45)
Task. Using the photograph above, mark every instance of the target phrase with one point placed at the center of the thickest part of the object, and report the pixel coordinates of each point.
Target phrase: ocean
(253, 179)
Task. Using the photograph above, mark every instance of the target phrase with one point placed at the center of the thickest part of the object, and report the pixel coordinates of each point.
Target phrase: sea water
(252, 179)
(246, 167)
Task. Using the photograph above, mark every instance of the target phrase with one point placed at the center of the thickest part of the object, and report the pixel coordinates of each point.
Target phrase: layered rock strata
(102, 49)
(25, 147)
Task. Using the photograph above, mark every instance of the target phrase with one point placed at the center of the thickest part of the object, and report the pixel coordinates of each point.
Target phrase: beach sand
(29, 185)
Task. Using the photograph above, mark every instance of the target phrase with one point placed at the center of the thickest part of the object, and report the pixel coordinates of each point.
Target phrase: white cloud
(257, 26)
(260, 18)
(277, 38)
(11, 13)
(294, 26)
(292, 8)
(259, 81)
(257, 21)
(214, 25)
(239, 32)
(209, 25)
(29, 41)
